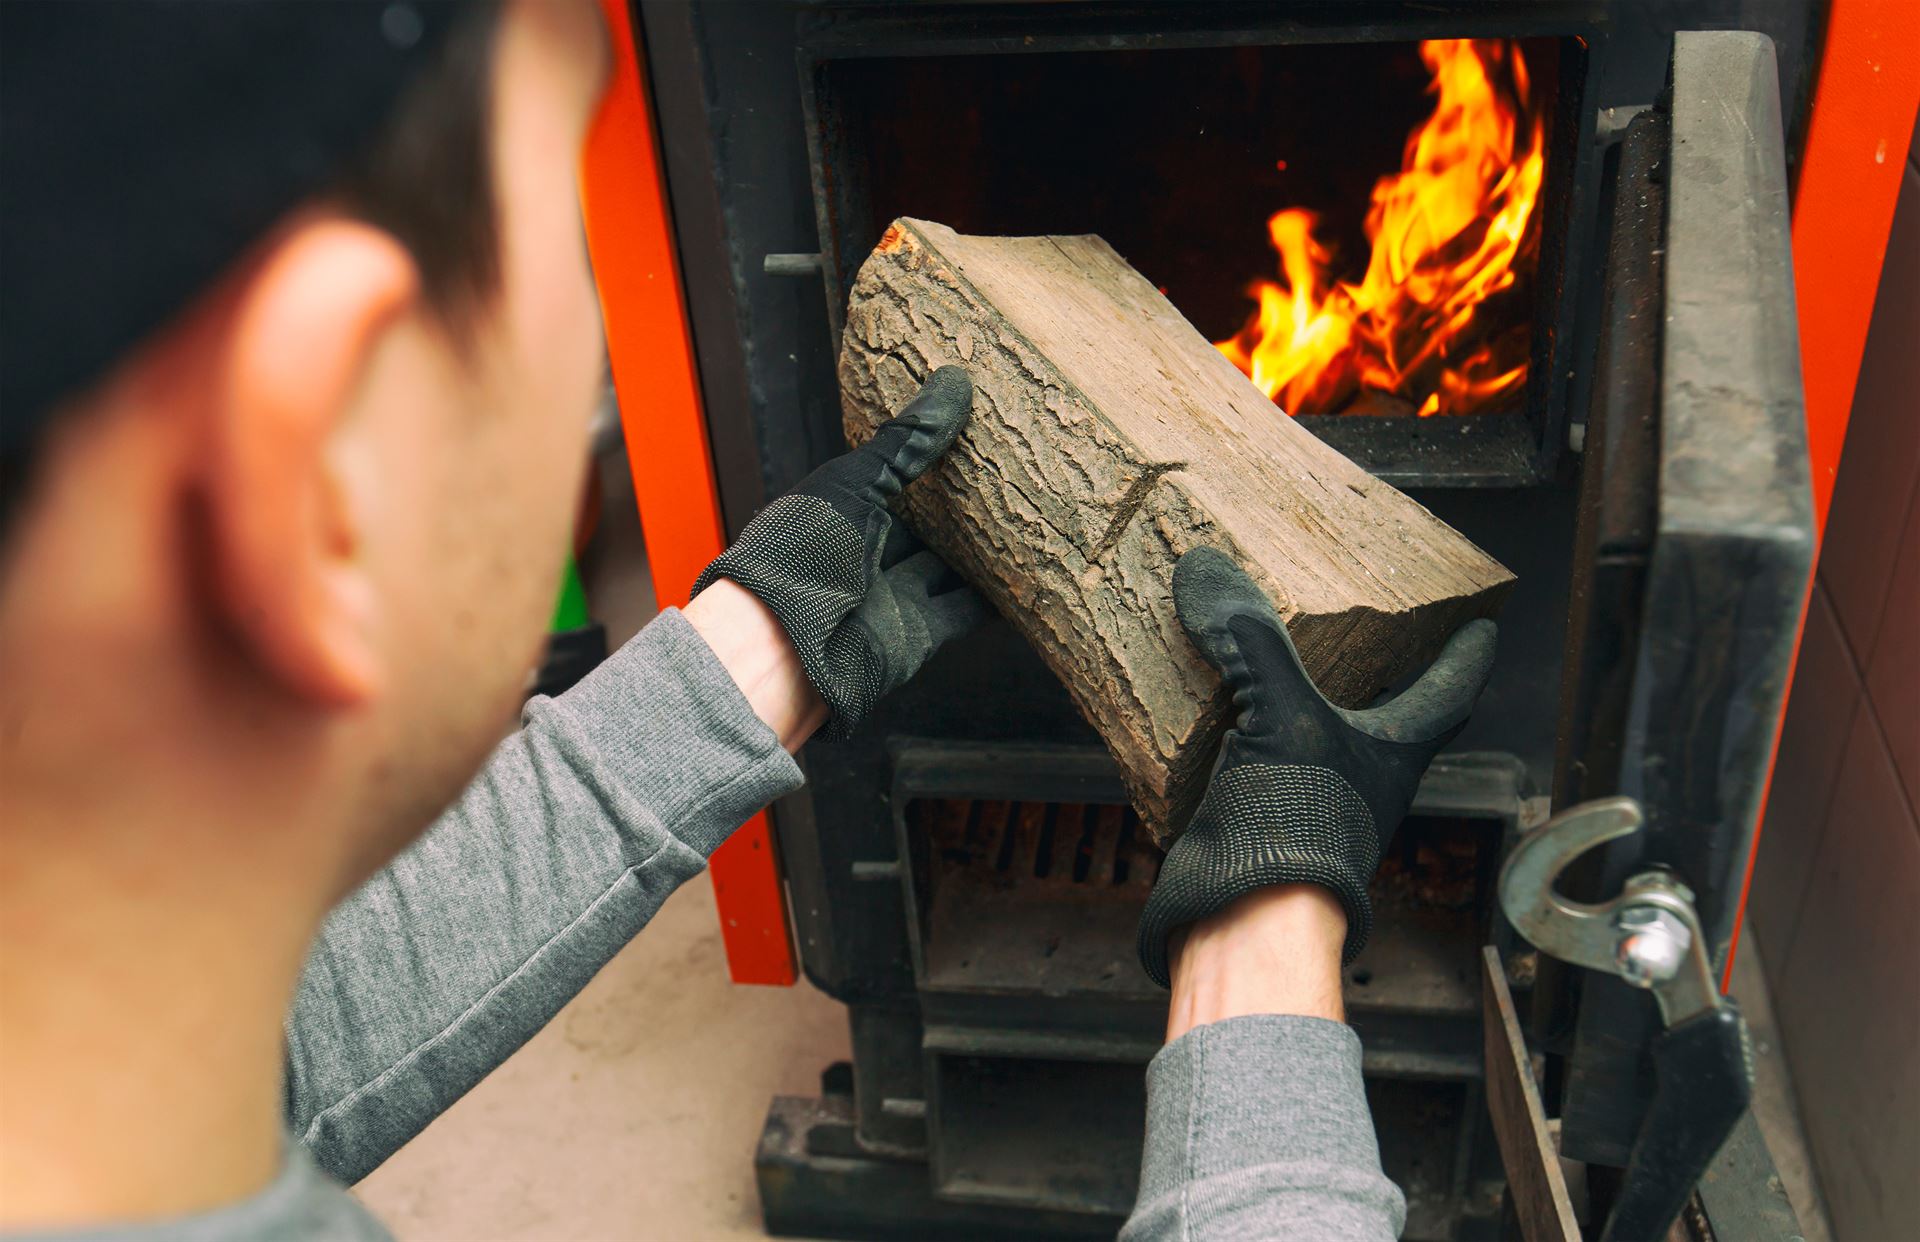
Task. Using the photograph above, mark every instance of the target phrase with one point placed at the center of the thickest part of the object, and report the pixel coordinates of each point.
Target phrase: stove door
(1696, 538)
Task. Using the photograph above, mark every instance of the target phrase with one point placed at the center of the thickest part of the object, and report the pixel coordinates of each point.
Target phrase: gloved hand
(863, 602)
(1303, 791)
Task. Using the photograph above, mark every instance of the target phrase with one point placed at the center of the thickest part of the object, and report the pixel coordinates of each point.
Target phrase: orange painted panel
(1863, 115)
(630, 236)
(1864, 105)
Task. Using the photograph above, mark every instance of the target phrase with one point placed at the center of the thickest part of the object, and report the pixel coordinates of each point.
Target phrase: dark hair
(426, 177)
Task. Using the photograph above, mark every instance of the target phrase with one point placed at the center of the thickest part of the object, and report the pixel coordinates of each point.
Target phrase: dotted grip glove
(1303, 791)
(864, 603)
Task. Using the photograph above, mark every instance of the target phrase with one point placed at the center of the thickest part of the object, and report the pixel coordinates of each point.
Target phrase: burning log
(1108, 438)
(1452, 234)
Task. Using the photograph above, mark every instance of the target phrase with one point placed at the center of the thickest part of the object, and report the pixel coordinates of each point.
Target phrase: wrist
(754, 648)
(1276, 950)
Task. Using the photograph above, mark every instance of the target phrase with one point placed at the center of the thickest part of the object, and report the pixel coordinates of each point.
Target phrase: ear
(287, 563)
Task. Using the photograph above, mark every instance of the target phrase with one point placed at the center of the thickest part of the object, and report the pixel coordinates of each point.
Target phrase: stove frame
(870, 1141)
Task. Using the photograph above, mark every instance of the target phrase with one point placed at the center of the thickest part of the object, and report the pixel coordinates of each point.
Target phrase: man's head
(288, 556)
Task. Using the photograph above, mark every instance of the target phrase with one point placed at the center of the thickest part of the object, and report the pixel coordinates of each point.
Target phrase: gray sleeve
(1257, 1127)
(605, 801)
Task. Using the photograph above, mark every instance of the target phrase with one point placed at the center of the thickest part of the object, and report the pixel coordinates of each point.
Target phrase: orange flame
(1451, 229)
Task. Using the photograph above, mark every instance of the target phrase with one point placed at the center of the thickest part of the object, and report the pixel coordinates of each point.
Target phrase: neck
(142, 1059)
(161, 870)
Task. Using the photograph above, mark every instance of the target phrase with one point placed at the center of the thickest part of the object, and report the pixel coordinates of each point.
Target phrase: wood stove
(963, 872)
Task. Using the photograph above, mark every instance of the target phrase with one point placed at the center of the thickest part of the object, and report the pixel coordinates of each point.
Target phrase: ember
(1456, 226)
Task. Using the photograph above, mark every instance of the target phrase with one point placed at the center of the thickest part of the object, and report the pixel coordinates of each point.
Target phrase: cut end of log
(1108, 439)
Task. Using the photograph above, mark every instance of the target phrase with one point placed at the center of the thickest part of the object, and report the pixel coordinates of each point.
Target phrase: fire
(1453, 228)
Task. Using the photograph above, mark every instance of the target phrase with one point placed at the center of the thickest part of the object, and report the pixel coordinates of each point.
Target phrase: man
(300, 344)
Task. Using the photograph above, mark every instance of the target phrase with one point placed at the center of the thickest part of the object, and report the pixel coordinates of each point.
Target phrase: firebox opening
(1358, 225)
(1045, 897)
(1030, 894)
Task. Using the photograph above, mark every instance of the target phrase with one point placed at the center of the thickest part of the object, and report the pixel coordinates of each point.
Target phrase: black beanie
(144, 144)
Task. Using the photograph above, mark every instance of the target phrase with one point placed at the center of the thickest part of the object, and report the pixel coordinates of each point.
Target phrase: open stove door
(1694, 547)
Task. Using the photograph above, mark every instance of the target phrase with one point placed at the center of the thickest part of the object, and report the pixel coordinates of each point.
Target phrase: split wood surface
(1108, 438)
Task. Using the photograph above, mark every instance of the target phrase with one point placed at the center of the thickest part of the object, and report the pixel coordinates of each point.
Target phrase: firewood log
(1109, 437)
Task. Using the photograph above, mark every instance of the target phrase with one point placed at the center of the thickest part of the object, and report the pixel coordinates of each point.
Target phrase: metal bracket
(792, 264)
(1649, 936)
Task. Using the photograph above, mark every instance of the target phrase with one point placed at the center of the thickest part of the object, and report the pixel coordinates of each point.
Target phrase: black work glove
(1303, 791)
(864, 603)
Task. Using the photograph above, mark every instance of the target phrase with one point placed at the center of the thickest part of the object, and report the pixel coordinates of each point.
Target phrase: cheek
(563, 350)
(560, 352)
(552, 355)
(540, 417)
(564, 368)
(555, 315)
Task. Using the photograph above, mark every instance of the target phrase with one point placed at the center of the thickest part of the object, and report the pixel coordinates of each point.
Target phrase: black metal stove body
(962, 872)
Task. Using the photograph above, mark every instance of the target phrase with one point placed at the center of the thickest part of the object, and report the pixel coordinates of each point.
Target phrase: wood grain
(1535, 1183)
(1109, 438)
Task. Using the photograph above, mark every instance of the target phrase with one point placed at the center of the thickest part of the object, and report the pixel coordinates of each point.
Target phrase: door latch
(1649, 936)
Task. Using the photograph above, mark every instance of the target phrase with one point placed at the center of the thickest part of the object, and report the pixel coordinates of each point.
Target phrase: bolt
(1653, 945)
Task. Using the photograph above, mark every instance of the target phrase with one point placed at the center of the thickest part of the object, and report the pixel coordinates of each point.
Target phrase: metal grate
(1039, 843)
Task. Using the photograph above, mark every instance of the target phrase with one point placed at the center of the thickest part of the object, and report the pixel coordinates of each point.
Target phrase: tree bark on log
(1108, 438)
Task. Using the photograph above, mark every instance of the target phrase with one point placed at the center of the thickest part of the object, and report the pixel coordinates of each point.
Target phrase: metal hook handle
(1558, 926)
(1648, 935)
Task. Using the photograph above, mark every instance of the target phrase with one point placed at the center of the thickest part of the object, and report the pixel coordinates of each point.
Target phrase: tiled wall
(1836, 891)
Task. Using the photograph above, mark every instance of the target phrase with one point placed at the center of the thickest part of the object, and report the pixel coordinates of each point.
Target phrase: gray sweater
(608, 799)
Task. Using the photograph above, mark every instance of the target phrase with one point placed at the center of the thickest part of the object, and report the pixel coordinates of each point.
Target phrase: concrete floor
(1774, 1104)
